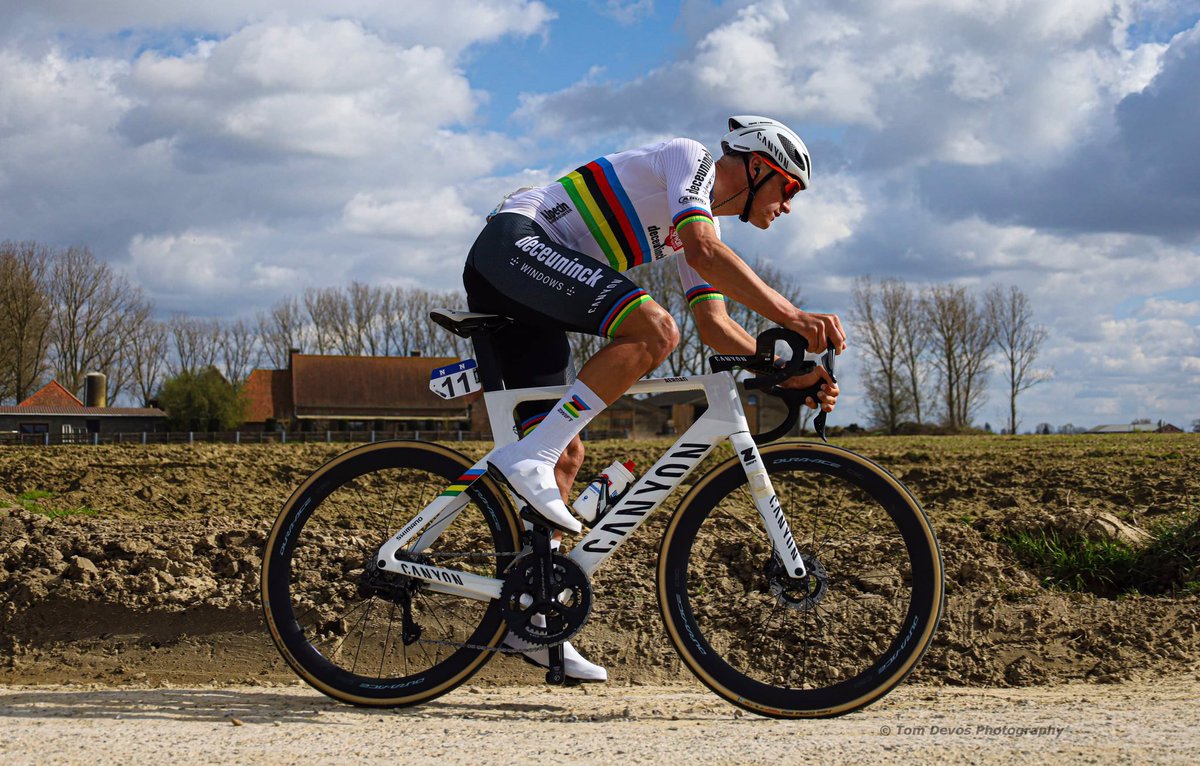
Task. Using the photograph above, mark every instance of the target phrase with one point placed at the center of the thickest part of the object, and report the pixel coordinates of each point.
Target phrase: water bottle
(603, 492)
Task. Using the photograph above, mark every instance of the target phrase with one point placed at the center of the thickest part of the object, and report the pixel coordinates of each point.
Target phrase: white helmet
(771, 138)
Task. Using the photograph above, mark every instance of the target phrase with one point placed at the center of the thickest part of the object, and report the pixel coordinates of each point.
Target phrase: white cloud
(422, 215)
(329, 89)
(451, 25)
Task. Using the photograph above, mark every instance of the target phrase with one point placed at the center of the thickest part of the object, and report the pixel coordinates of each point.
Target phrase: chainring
(549, 621)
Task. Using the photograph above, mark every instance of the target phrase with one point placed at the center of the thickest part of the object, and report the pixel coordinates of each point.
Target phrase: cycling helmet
(772, 138)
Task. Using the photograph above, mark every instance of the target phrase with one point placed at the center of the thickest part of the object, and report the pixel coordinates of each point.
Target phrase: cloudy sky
(225, 154)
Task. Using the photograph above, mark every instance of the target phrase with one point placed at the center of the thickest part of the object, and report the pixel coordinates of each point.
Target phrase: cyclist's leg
(515, 266)
(529, 356)
(638, 346)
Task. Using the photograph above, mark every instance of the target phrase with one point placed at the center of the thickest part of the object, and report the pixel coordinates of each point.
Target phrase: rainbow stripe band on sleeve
(462, 482)
(701, 293)
(691, 215)
(620, 310)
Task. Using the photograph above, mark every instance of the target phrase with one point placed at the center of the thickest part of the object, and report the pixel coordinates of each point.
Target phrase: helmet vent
(792, 152)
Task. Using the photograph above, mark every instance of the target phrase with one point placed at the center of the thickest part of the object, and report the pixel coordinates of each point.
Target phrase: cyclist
(552, 257)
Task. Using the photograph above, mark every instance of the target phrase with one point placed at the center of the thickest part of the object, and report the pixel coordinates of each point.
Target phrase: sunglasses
(791, 187)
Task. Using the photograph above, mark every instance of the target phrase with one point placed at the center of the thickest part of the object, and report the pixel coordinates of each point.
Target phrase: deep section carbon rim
(340, 624)
(822, 646)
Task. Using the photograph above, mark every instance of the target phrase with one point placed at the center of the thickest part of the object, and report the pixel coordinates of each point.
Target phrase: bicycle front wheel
(339, 622)
(818, 646)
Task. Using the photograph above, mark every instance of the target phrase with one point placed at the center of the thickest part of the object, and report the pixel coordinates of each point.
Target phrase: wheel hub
(798, 593)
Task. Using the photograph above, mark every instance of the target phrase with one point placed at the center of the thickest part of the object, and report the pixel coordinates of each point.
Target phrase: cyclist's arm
(719, 331)
(720, 266)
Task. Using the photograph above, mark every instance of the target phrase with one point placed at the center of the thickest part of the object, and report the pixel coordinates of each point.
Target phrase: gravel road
(1137, 722)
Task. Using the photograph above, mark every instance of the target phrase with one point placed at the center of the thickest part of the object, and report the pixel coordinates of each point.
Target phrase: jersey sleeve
(690, 172)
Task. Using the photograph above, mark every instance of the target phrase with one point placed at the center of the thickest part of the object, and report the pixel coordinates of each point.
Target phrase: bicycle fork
(767, 503)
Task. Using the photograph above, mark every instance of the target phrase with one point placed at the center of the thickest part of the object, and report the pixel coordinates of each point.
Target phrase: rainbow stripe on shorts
(620, 310)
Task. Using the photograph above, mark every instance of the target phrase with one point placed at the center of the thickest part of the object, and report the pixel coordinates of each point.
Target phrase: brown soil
(156, 579)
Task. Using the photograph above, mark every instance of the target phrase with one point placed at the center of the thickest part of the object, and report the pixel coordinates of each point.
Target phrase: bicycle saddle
(466, 324)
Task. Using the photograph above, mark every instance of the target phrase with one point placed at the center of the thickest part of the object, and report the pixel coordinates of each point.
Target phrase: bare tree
(92, 310)
(320, 306)
(366, 314)
(280, 330)
(877, 316)
(239, 350)
(1019, 340)
(24, 318)
(962, 334)
(914, 352)
(148, 358)
(196, 343)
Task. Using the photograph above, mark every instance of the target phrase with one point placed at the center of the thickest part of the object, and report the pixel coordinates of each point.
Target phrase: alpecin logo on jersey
(569, 267)
(556, 212)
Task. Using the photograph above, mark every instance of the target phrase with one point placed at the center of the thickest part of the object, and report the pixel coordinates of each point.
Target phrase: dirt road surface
(1132, 723)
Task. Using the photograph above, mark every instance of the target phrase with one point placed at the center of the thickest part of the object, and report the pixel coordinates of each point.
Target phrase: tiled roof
(380, 387)
(52, 395)
(81, 411)
(268, 395)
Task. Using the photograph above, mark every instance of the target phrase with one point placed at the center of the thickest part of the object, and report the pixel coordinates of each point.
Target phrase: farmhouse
(1138, 427)
(53, 411)
(357, 393)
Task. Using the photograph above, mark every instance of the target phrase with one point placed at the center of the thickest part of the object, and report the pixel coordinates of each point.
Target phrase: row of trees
(64, 313)
(929, 351)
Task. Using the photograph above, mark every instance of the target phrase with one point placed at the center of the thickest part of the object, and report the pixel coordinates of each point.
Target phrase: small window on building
(34, 428)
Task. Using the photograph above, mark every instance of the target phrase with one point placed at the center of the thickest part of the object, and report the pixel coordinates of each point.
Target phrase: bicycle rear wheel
(338, 621)
(821, 646)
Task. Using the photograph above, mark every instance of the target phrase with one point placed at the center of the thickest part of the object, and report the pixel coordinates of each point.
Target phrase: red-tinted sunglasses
(793, 185)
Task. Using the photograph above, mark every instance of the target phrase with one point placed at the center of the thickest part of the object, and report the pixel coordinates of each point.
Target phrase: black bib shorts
(515, 269)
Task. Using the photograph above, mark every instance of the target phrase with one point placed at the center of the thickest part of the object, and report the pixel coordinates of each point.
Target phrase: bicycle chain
(480, 647)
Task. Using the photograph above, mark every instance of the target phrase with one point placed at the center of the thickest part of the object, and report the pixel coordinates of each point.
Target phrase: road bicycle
(795, 580)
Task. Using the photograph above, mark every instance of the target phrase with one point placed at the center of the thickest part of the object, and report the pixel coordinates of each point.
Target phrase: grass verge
(1168, 564)
(30, 501)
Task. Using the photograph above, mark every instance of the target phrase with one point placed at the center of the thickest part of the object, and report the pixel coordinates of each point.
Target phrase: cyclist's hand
(828, 394)
(821, 331)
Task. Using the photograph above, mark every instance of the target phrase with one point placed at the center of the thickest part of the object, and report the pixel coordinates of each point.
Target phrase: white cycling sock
(574, 411)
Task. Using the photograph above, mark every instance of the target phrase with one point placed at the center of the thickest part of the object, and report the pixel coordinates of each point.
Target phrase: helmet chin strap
(752, 187)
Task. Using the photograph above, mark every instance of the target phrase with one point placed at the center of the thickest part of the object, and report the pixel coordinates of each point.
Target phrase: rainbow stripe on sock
(575, 406)
(460, 485)
(528, 424)
(622, 309)
(701, 293)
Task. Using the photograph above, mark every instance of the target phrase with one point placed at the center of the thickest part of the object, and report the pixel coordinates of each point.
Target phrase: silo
(95, 390)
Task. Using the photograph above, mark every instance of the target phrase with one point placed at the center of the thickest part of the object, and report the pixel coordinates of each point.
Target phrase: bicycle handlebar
(770, 374)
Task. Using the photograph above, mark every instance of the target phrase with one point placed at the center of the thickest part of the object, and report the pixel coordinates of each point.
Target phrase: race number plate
(455, 380)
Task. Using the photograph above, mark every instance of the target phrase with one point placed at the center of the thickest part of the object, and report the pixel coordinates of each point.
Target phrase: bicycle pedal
(557, 674)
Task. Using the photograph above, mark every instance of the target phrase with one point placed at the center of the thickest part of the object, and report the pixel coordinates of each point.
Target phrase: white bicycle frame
(723, 419)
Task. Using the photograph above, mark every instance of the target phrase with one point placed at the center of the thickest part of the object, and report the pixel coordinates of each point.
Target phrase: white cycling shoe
(533, 480)
(574, 663)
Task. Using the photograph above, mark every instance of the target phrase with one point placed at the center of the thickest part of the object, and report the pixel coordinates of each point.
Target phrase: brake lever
(819, 421)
